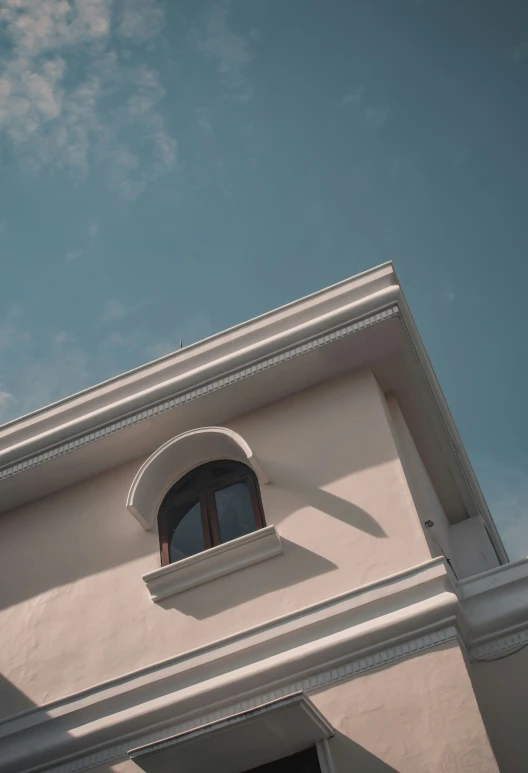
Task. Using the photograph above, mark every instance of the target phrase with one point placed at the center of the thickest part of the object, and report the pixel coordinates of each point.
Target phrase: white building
(267, 549)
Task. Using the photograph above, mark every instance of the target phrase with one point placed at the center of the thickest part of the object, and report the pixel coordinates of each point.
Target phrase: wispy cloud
(73, 255)
(353, 97)
(64, 59)
(377, 116)
(374, 115)
(37, 372)
(115, 310)
(5, 399)
(232, 52)
(94, 230)
(41, 367)
(519, 52)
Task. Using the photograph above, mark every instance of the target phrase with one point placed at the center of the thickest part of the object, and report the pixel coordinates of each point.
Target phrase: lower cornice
(375, 625)
(316, 681)
(498, 647)
(342, 637)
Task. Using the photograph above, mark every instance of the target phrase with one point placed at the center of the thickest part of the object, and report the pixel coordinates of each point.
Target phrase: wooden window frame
(204, 492)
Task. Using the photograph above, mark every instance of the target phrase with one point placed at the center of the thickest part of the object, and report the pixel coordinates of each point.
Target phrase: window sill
(213, 563)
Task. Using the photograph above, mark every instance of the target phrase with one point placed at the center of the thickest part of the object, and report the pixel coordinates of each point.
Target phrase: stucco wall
(425, 497)
(432, 724)
(74, 610)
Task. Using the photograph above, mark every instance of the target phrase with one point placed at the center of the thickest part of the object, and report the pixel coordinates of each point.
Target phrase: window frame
(204, 492)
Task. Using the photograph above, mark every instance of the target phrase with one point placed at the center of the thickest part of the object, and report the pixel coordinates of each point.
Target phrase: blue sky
(172, 168)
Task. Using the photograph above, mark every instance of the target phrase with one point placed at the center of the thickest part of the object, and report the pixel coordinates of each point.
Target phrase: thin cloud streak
(64, 59)
(231, 52)
(41, 368)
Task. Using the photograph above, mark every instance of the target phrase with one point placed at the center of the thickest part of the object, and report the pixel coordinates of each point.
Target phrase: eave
(361, 322)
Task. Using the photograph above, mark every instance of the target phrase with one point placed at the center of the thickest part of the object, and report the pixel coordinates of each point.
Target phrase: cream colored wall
(415, 716)
(74, 610)
(466, 545)
(425, 497)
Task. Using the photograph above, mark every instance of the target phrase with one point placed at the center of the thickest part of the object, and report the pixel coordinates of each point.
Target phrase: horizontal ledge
(213, 563)
(241, 741)
(334, 639)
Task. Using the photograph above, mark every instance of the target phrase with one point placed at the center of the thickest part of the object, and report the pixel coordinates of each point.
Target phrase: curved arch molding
(176, 457)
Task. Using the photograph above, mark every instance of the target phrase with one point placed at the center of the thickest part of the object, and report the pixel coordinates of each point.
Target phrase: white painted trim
(494, 602)
(175, 458)
(492, 579)
(315, 681)
(463, 466)
(213, 563)
(305, 723)
(305, 650)
(118, 751)
(433, 577)
(501, 645)
(325, 758)
(341, 293)
(220, 382)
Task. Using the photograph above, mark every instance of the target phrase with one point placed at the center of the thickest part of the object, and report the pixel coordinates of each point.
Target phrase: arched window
(214, 503)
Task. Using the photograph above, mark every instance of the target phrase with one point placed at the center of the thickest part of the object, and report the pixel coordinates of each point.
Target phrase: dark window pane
(187, 538)
(219, 470)
(187, 483)
(235, 511)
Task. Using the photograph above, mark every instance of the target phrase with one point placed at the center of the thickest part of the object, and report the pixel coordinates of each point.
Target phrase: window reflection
(187, 537)
(235, 511)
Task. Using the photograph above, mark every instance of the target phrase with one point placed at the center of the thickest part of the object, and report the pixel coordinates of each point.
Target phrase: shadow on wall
(347, 755)
(69, 535)
(295, 565)
(500, 690)
(306, 494)
(12, 700)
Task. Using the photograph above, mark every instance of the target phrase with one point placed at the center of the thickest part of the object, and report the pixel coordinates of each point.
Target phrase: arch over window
(213, 503)
(176, 458)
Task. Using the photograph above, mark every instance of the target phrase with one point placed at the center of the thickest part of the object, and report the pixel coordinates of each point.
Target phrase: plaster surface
(74, 610)
(418, 716)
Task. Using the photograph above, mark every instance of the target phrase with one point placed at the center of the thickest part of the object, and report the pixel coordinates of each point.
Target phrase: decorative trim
(200, 390)
(325, 758)
(440, 414)
(491, 580)
(464, 465)
(306, 726)
(311, 647)
(176, 457)
(316, 681)
(500, 645)
(213, 563)
(432, 577)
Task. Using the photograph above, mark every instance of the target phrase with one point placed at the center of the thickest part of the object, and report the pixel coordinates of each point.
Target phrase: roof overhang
(241, 741)
(361, 322)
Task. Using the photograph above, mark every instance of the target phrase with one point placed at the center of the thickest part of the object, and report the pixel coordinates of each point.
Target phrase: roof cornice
(202, 368)
(291, 341)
